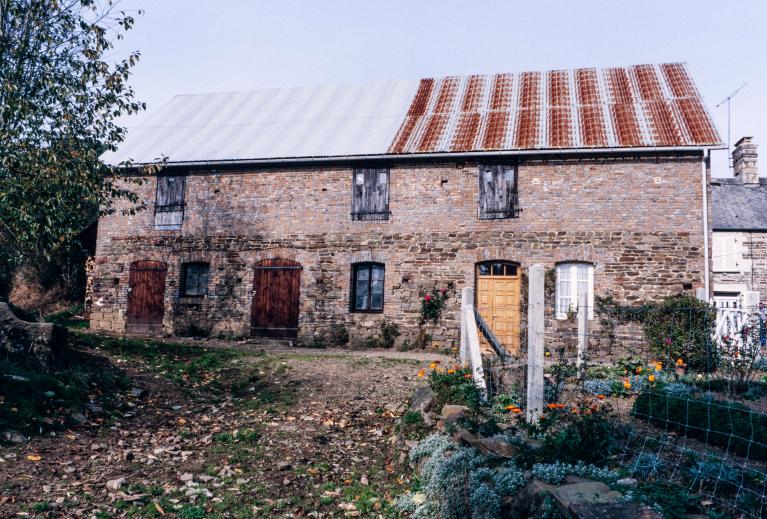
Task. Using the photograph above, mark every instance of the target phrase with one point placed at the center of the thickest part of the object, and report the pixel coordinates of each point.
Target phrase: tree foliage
(61, 93)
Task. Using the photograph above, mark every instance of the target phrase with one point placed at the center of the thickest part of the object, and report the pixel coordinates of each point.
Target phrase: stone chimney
(744, 161)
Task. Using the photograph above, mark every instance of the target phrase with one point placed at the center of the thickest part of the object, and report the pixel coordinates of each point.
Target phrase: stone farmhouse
(287, 213)
(739, 237)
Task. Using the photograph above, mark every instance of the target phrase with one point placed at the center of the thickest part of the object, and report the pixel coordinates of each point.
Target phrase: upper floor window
(169, 205)
(195, 277)
(498, 192)
(370, 194)
(574, 279)
(367, 287)
(727, 250)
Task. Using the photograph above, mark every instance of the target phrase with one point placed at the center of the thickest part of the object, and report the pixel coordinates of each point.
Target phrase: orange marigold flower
(601, 397)
(679, 362)
(627, 384)
(516, 410)
(658, 366)
(651, 378)
(421, 373)
(639, 370)
(510, 407)
(451, 372)
(433, 365)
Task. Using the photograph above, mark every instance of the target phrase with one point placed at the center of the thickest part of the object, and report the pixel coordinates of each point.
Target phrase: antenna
(729, 135)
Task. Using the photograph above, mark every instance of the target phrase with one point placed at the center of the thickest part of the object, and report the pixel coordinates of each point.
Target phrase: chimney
(744, 161)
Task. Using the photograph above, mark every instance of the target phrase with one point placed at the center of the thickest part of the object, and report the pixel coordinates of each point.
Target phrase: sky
(196, 46)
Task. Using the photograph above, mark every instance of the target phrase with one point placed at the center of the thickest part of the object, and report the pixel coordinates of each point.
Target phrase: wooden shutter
(169, 207)
(497, 192)
(370, 194)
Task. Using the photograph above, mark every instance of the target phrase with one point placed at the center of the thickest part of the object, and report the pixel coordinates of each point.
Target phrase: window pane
(508, 176)
(363, 273)
(563, 289)
(488, 176)
(361, 295)
(378, 272)
(359, 179)
(376, 295)
(498, 269)
(511, 270)
(196, 280)
(583, 281)
(484, 269)
(382, 177)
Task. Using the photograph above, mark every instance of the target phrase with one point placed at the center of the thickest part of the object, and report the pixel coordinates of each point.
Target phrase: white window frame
(568, 272)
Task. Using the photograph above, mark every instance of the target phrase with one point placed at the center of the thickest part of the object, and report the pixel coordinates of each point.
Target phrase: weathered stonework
(639, 220)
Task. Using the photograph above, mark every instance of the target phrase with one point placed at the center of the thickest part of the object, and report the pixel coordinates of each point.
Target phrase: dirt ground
(314, 437)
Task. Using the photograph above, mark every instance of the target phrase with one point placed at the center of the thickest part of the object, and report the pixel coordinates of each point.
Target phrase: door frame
(136, 328)
(287, 264)
(515, 264)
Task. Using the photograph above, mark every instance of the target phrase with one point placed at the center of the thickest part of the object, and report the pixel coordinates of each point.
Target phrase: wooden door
(146, 291)
(498, 301)
(276, 290)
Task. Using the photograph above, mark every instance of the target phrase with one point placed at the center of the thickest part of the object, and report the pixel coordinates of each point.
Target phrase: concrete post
(583, 332)
(535, 307)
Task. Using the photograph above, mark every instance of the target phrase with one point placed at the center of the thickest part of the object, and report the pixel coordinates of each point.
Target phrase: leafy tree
(61, 94)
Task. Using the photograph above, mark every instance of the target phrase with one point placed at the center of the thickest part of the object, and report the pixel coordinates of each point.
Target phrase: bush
(389, 333)
(681, 327)
(454, 388)
(338, 335)
(717, 422)
(572, 438)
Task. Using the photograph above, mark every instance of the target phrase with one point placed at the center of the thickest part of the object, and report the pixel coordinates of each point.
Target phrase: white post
(469, 323)
(465, 293)
(535, 324)
(583, 331)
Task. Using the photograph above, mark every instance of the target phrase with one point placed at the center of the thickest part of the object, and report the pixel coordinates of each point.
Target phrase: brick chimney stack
(744, 161)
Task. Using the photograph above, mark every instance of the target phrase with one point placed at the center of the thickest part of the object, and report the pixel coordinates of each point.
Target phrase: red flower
(427, 298)
(442, 290)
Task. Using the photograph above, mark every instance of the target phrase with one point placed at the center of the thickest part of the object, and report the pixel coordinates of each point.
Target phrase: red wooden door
(145, 297)
(276, 289)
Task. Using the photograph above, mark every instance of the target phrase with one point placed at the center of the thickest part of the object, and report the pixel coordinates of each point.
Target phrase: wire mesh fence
(687, 385)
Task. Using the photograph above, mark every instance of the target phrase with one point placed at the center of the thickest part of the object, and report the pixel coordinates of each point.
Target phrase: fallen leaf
(159, 508)
(181, 421)
(33, 457)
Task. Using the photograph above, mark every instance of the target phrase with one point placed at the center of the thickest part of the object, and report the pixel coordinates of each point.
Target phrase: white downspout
(704, 184)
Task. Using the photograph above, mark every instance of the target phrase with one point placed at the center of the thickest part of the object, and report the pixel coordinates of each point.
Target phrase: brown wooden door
(146, 297)
(276, 290)
(498, 302)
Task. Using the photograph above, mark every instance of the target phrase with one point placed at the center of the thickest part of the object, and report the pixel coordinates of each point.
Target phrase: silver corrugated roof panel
(638, 106)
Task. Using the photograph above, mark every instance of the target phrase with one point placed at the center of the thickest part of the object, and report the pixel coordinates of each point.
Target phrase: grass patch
(34, 402)
(72, 317)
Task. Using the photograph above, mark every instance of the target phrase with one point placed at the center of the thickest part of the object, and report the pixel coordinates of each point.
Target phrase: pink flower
(427, 298)
(668, 340)
(442, 290)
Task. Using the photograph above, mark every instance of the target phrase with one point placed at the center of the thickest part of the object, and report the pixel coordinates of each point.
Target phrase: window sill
(366, 311)
(191, 300)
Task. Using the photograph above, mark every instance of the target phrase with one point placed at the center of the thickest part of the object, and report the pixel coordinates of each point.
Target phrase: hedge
(725, 424)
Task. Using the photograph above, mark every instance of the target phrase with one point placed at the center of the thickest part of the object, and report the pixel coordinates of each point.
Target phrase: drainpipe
(704, 183)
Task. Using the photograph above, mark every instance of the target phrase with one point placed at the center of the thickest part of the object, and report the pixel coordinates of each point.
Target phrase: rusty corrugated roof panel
(638, 106)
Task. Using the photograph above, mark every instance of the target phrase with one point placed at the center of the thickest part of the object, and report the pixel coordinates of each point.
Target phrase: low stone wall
(40, 345)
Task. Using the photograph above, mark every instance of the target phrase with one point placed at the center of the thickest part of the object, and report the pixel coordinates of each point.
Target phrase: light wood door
(498, 302)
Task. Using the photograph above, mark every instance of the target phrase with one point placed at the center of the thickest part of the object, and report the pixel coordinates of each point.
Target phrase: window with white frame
(727, 251)
(574, 279)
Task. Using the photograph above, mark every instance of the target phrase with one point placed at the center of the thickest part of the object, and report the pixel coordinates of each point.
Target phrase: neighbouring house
(739, 232)
(290, 212)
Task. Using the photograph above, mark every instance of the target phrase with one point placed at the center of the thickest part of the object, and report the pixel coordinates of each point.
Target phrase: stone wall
(638, 220)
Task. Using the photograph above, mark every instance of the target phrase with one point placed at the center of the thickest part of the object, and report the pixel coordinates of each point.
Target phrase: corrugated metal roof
(737, 206)
(637, 106)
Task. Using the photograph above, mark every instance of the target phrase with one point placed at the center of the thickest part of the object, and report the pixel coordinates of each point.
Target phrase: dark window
(496, 268)
(498, 192)
(370, 194)
(169, 206)
(367, 287)
(195, 279)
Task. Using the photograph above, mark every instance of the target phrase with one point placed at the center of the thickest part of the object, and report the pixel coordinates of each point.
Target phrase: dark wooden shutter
(498, 192)
(169, 207)
(370, 194)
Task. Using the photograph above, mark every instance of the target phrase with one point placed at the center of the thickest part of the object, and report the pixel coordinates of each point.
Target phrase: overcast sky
(193, 46)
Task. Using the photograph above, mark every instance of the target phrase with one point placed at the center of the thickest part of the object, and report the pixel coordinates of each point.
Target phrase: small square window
(195, 279)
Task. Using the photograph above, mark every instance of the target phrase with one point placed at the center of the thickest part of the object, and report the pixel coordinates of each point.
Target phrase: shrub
(389, 333)
(598, 387)
(454, 388)
(721, 423)
(681, 326)
(571, 437)
(647, 465)
(338, 335)
(555, 473)
(432, 305)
